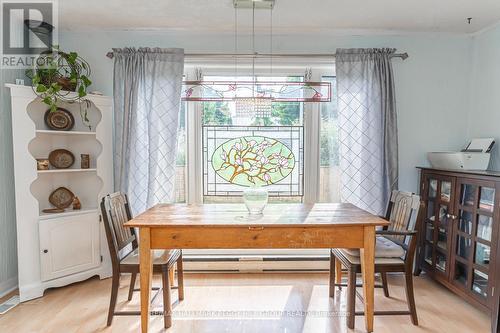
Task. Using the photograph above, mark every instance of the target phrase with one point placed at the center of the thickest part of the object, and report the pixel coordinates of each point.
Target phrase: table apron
(256, 237)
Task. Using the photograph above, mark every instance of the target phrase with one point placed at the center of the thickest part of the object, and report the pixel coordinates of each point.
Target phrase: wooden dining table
(282, 226)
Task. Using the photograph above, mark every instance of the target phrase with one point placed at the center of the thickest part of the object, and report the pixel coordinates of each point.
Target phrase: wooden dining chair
(394, 252)
(123, 248)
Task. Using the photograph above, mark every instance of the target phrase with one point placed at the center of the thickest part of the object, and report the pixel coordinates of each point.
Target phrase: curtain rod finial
(404, 56)
(109, 55)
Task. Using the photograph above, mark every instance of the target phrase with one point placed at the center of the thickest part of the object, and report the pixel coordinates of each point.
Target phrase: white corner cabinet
(56, 249)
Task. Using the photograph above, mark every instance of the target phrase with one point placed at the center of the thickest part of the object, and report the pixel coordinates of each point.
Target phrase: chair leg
(351, 297)
(180, 278)
(331, 283)
(385, 286)
(167, 299)
(338, 273)
(132, 286)
(114, 294)
(410, 298)
(172, 276)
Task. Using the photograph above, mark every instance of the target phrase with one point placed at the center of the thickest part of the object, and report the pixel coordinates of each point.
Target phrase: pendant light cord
(271, 42)
(253, 50)
(235, 43)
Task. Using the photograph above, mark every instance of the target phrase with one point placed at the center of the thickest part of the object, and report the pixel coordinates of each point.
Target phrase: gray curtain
(147, 90)
(368, 135)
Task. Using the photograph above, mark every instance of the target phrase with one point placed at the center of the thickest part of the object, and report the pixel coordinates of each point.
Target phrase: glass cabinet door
(473, 237)
(438, 191)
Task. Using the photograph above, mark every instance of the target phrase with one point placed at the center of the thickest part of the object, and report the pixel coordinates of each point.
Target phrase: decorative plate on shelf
(61, 197)
(59, 120)
(61, 158)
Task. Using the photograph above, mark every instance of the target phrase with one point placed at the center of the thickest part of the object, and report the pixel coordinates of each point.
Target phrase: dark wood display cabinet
(458, 240)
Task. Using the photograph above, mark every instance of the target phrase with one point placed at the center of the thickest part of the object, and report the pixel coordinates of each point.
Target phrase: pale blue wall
(484, 114)
(8, 250)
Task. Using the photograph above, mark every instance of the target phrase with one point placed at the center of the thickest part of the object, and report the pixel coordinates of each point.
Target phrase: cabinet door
(473, 238)
(436, 230)
(69, 245)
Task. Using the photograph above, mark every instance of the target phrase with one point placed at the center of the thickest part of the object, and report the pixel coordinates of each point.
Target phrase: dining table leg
(367, 254)
(146, 275)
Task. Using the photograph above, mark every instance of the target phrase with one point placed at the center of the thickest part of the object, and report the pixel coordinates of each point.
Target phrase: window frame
(311, 119)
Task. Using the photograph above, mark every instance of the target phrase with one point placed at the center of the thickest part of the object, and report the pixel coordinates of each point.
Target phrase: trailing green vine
(61, 76)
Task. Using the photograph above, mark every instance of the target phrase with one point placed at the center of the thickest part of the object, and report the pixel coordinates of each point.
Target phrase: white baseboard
(8, 286)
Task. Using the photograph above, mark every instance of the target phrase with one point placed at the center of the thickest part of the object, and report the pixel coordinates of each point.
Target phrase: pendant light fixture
(254, 106)
(254, 98)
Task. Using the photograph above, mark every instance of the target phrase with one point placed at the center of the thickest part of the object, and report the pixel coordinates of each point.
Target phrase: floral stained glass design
(253, 161)
(237, 157)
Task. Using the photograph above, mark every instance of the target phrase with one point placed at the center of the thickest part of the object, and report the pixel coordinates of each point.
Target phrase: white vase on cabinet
(56, 249)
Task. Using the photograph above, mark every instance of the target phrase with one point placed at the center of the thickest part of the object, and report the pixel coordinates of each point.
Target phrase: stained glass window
(236, 157)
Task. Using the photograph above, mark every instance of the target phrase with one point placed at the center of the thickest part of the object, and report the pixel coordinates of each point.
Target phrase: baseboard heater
(255, 264)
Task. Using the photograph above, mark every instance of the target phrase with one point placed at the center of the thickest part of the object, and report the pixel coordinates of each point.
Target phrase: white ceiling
(289, 16)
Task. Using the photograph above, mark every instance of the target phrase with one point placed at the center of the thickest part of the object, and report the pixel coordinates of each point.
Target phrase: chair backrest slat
(404, 208)
(116, 212)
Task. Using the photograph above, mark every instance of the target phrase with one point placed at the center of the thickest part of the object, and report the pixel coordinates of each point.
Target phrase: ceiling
(289, 16)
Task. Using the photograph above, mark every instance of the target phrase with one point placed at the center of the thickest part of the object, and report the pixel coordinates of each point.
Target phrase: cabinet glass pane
(433, 185)
(464, 246)
(443, 227)
(429, 232)
(465, 222)
(467, 195)
(484, 227)
(428, 254)
(442, 238)
(483, 253)
(430, 211)
(440, 261)
(460, 273)
(487, 198)
(445, 191)
(443, 215)
(480, 283)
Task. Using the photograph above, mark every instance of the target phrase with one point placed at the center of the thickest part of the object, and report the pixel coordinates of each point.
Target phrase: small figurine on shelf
(77, 205)
(42, 164)
(85, 161)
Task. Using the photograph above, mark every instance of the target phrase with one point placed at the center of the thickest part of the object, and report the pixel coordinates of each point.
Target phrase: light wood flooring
(247, 303)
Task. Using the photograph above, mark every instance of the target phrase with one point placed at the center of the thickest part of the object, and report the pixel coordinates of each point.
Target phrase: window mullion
(194, 149)
(311, 141)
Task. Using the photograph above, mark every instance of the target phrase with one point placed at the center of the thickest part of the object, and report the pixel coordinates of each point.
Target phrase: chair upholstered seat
(355, 259)
(160, 257)
(384, 248)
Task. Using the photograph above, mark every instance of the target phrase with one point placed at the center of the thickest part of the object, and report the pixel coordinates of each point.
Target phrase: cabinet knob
(45, 251)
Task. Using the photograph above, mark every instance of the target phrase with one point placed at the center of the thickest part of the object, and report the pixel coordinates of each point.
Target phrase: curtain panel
(147, 91)
(368, 141)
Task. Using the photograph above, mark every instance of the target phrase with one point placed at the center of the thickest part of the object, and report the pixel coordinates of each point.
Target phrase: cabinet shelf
(69, 212)
(53, 171)
(51, 132)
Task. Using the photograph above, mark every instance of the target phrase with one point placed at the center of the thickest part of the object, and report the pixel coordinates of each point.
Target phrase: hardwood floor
(245, 303)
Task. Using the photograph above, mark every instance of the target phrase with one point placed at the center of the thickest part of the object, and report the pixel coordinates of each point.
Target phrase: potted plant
(61, 76)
